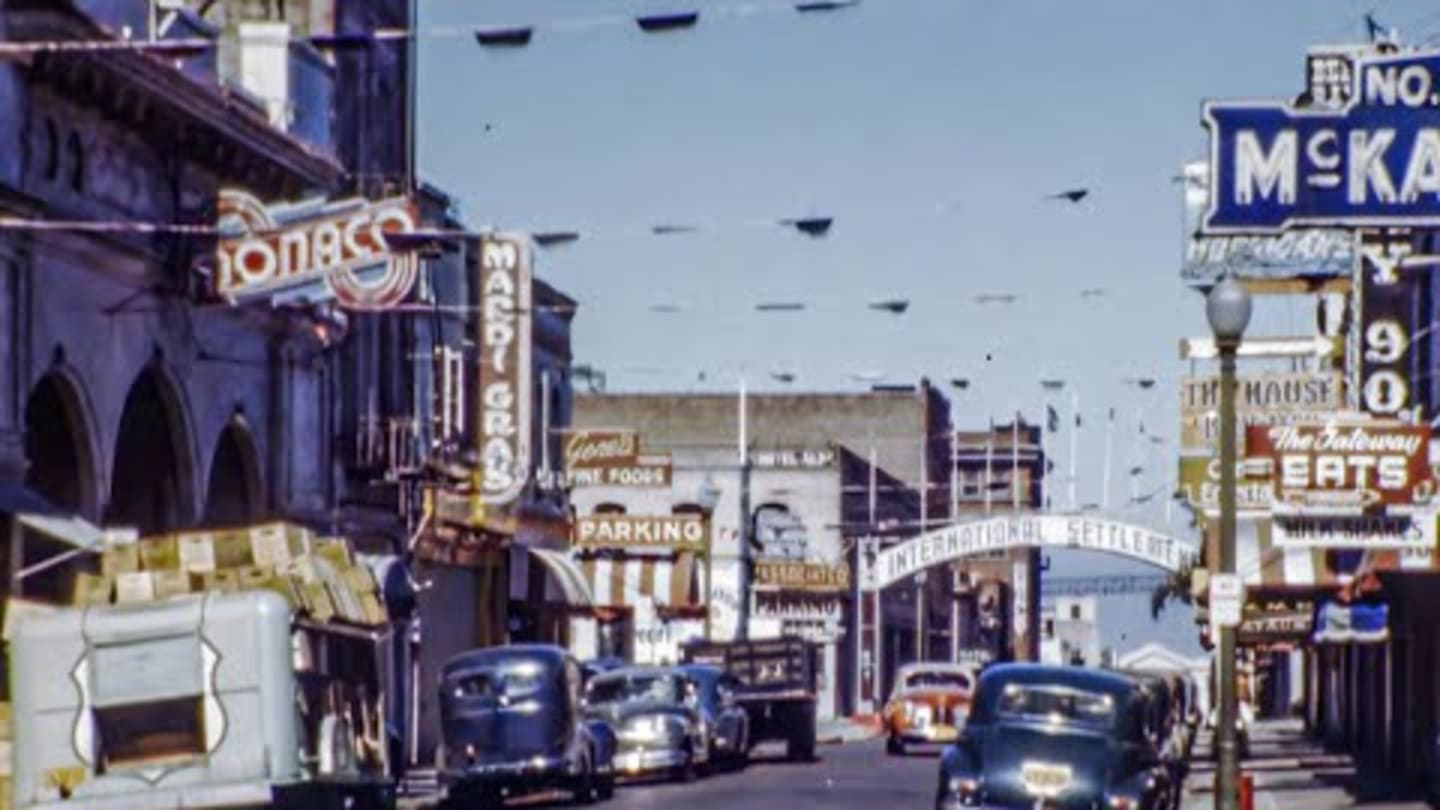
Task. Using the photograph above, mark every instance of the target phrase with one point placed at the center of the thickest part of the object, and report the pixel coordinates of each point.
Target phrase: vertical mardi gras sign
(504, 343)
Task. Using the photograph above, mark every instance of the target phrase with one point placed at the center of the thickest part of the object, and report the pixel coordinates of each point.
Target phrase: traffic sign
(1227, 599)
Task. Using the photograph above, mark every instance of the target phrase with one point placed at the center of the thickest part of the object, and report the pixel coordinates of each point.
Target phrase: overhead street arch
(957, 541)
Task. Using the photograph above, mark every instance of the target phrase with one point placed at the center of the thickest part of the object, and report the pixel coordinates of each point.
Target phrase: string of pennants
(488, 35)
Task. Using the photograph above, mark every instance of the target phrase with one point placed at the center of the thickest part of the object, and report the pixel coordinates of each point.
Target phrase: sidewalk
(846, 730)
(1293, 772)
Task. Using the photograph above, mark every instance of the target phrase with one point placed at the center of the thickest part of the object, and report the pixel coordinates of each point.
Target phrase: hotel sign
(505, 373)
(1260, 399)
(314, 252)
(668, 532)
(801, 576)
(1349, 464)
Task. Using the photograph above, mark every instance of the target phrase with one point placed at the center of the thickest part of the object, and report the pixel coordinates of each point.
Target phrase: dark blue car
(1055, 738)
(512, 723)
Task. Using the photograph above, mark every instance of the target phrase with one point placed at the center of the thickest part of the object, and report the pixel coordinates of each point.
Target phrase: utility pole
(1074, 445)
(742, 625)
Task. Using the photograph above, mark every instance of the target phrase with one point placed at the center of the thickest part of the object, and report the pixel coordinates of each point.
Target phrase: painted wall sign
(1260, 399)
(1368, 532)
(641, 531)
(1373, 160)
(1311, 252)
(794, 458)
(798, 605)
(644, 471)
(1344, 464)
(598, 449)
(961, 540)
(505, 372)
(314, 251)
(803, 576)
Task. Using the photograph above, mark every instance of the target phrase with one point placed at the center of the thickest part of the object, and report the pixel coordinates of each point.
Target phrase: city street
(853, 775)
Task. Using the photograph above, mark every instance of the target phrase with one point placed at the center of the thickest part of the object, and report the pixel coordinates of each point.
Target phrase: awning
(567, 575)
(669, 582)
(37, 514)
(1358, 623)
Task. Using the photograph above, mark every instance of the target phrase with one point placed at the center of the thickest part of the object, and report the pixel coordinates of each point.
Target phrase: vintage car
(1048, 738)
(726, 722)
(513, 723)
(657, 722)
(928, 706)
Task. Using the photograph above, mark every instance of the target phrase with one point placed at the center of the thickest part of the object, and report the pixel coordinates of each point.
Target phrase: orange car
(929, 705)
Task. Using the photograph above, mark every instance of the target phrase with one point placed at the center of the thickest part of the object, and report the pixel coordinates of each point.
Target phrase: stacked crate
(318, 576)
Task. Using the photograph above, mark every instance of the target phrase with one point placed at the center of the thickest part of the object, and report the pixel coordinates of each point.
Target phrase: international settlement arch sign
(961, 540)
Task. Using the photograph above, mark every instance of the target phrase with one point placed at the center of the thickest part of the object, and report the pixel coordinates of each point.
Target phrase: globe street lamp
(1227, 307)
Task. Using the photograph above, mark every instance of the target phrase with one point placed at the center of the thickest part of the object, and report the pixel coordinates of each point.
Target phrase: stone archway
(151, 486)
(60, 445)
(233, 495)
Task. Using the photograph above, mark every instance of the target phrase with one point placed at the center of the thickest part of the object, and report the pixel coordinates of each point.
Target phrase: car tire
(800, 750)
(606, 787)
(688, 772)
(586, 789)
(893, 747)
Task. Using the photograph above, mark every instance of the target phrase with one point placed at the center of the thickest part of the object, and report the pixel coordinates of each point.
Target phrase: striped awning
(617, 582)
(572, 581)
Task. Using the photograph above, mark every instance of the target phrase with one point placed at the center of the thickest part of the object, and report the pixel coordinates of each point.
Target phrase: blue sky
(878, 116)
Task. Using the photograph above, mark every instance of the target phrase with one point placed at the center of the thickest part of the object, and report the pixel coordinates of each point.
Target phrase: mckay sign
(1366, 152)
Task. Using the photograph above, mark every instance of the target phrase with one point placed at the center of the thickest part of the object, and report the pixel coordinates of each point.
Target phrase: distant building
(1161, 660)
(1070, 632)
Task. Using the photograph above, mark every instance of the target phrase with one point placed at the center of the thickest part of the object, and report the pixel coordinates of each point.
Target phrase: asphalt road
(857, 775)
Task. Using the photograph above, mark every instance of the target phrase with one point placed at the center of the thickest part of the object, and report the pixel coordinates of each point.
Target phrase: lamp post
(708, 498)
(1228, 309)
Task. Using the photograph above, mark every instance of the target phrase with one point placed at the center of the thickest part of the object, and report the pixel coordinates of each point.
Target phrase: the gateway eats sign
(1059, 531)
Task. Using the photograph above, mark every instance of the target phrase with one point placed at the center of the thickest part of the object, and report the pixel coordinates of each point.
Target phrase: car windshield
(635, 689)
(937, 680)
(510, 681)
(1055, 704)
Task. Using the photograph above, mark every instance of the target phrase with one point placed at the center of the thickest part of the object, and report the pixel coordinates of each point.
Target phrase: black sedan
(1054, 738)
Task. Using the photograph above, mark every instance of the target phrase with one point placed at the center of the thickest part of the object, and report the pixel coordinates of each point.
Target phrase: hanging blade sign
(1373, 161)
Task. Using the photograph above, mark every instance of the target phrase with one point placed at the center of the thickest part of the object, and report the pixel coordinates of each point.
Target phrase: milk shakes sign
(314, 251)
(1364, 151)
(1345, 464)
(504, 343)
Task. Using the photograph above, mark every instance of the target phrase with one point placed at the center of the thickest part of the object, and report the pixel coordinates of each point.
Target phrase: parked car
(595, 666)
(726, 723)
(512, 723)
(929, 705)
(1164, 728)
(1049, 736)
(656, 717)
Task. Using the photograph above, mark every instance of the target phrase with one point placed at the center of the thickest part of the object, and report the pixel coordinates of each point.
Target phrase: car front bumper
(636, 760)
(534, 771)
(928, 734)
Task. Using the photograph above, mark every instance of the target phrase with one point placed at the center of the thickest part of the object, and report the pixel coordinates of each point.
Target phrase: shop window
(1075, 612)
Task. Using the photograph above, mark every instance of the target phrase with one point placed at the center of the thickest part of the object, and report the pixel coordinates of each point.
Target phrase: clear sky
(932, 130)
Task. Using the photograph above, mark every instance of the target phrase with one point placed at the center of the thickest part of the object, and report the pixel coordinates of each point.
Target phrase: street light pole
(1228, 309)
(742, 625)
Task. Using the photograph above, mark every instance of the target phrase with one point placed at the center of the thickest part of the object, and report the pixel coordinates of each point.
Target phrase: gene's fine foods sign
(504, 342)
(1340, 464)
(597, 449)
(641, 531)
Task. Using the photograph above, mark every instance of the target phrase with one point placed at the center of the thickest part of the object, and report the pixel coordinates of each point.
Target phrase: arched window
(75, 155)
(609, 508)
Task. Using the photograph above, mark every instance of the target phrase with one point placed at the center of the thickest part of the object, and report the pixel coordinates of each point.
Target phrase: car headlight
(1120, 801)
(964, 785)
(643, 729)
(921, 714)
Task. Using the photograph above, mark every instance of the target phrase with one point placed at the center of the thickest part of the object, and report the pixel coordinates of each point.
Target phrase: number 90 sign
(1385, 390)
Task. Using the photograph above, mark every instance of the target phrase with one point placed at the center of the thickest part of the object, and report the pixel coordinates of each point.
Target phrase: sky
(932, 131)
